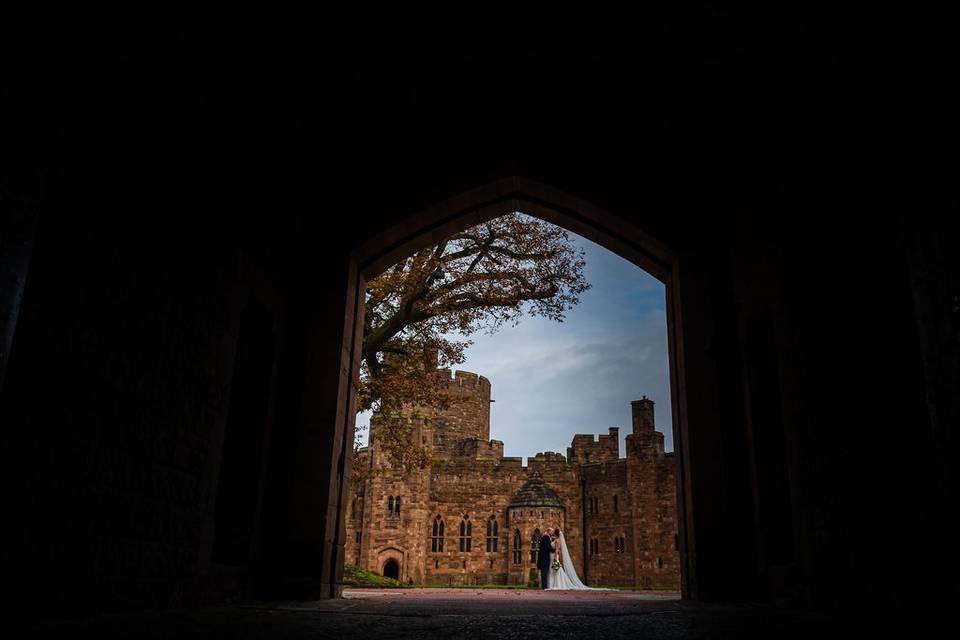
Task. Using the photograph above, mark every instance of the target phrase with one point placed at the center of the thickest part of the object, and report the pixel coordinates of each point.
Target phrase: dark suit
(543, 560)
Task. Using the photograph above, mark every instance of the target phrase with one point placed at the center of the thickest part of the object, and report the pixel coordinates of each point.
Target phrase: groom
(543, 558)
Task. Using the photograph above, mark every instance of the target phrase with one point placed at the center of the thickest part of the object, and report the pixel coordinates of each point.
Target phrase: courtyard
(487, 613)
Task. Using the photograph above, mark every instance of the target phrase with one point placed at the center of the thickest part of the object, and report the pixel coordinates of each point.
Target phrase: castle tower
(467, 418)
(645, 439)
(642, 415)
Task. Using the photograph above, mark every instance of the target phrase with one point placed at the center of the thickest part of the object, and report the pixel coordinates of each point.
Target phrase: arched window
(389, 506)
(492, 534)
(517, 552)
(396, 507)
(436, 539)
(619, 544)
(535, 546)
(353, 509)
(466, 533)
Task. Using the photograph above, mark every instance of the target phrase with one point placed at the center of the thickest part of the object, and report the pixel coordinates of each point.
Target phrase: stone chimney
(642, 415)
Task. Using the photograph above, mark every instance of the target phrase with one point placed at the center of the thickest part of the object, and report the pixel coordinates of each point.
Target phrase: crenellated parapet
(481, 449)
(468, 416)
(584, 449)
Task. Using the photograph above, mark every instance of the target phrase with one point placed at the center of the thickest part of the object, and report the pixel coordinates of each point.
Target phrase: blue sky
(552, 380)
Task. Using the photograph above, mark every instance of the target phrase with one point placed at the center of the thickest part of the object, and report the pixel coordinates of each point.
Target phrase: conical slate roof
(535, 493)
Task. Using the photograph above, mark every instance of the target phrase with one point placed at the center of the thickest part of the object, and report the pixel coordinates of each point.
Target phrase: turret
(645, 439)
(585, 450)
(642, 415)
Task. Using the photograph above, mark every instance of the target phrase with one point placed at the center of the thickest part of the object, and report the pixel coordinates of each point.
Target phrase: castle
(474, 516)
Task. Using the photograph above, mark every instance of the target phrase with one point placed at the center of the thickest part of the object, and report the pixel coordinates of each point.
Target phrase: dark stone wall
(813, 240)
(119, 382)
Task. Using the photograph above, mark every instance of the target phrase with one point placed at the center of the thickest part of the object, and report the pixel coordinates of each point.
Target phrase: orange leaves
(475, 280)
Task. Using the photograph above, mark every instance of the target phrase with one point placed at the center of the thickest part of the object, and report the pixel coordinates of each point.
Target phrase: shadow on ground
(499, 613)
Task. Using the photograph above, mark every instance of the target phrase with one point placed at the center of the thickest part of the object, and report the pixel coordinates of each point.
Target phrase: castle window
(357, 537)
(619, 544)
(353, 509)
(436, 539)
(436, 564)
(492, 534)
(616, 507)
(659, 563)
(517, 551)
(396, 507)
(535, 546)
(466, 533)
(594, 506)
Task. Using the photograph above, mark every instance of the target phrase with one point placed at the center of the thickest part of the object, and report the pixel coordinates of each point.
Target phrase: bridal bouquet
(555, 565)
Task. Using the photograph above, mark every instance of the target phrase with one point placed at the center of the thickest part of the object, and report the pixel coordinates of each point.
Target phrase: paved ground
(468, 613)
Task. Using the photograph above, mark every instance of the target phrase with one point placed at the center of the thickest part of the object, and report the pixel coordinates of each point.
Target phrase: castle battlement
(481, 449)
(461, 378)
(584, 449)
(549, 457)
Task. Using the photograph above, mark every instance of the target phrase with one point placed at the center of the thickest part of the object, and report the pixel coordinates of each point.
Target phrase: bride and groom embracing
(553, 560)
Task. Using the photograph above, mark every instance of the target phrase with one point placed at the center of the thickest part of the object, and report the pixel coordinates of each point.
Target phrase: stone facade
(473, 517)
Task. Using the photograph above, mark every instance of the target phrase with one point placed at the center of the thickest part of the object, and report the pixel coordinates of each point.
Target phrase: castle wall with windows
(473, 517)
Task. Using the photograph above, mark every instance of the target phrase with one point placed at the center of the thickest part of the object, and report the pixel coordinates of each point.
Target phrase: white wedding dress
(566, 577)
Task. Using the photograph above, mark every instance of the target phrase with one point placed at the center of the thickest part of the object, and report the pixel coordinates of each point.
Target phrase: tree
(420, 312)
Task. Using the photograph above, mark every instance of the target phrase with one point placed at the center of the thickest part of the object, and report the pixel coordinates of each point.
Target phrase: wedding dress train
(566, 577)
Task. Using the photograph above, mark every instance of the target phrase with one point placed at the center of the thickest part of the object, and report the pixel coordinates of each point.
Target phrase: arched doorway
(391, 569)
(517, 194)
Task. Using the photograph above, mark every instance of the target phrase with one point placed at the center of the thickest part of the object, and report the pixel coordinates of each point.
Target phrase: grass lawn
(354, 576)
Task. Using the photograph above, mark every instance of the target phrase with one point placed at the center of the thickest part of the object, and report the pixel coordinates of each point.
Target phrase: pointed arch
(436, 535)
(613, 232)
(493, 534)
(466, 533)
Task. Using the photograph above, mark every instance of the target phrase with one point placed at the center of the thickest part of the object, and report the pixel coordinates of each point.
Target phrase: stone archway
(570, 212)
(391, 569)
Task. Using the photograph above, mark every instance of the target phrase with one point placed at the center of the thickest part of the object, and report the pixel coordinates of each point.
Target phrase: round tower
(467, 417)
(533, 508)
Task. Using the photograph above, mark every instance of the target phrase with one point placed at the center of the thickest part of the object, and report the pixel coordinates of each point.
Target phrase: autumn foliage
(420, 313)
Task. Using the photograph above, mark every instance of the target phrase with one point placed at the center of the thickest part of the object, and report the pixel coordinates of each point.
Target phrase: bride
(566, 576)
